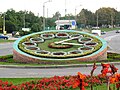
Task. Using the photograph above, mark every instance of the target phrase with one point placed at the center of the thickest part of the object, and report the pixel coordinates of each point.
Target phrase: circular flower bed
(59, 53)
(59, 46)
(75, 52)
(85, 39)
(91, 44)
(85, 48)
(36, 40)
(63, 45)
(62, 35)
(42, 52)
(76, 35)
(80, 42)
(47, 36)
(29, 44)
(33, 48)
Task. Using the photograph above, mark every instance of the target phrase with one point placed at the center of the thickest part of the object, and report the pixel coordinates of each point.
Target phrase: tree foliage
(15, 21)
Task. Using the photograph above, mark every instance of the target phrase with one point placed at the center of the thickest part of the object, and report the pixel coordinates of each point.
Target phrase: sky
(36, 6)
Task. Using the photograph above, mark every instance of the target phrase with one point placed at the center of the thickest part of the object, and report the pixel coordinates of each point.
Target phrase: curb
(56, 66)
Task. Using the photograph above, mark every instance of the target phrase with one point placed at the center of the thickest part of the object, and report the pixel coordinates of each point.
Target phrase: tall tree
(85, 17)
(57, 15)
(106, 16)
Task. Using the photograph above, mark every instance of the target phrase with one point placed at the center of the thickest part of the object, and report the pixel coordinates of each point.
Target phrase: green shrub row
(6, 57)
(113, 56)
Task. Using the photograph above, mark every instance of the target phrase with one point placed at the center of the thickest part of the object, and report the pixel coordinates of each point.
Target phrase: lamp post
(76, 12)
(97, 20)
(4, 32)
(76, 9)
(44, 13)
(24, 19)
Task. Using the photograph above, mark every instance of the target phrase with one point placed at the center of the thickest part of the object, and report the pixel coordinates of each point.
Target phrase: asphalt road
(6, 48)
(112, 38)
(46, 72)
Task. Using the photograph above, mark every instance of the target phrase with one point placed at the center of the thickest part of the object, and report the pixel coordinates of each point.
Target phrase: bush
(6, 57)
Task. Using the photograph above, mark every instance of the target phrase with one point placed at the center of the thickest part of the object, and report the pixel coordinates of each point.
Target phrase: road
(6, 48)
(112, 38)
(46, 72)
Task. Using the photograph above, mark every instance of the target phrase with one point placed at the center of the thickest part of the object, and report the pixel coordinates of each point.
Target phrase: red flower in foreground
(105, 69)
(80, 82)
(117, 78)
(113, 69)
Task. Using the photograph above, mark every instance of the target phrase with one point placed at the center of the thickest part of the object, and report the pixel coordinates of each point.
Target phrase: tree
(106, 16)
(15, 21)
(57, 15)
(85, 17)
(117, 19)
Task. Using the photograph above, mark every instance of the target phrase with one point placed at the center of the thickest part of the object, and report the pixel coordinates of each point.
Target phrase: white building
(65, 24)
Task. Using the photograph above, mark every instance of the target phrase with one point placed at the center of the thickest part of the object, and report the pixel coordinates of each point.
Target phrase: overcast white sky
(36, 6)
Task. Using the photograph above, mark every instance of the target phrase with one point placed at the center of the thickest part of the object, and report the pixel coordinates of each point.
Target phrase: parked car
(3, 37)
(117, 31)
(103, 32)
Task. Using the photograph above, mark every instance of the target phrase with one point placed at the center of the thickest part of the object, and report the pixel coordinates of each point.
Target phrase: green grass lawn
(17, 81)
(109, 29)
(5, 41)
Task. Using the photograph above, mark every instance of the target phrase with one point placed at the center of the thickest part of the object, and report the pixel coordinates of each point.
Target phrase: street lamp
(97, 19)
(76, 8)
(76, 11)
(4, 32)
(44, 13)
(24, 18)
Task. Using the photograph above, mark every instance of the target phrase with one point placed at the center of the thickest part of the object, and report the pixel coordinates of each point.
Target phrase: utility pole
(4, 32)
(44, 13)
(112, 20)
(24, 18)
(97, 19)
(65, 8)
(76, 12)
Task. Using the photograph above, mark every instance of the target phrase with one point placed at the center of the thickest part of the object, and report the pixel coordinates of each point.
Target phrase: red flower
(113, 69)
(105, 69)
(80, 82)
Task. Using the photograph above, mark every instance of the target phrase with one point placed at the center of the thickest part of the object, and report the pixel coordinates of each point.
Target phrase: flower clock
(59, 45)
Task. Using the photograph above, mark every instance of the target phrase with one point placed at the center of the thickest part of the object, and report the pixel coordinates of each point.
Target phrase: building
(65, 24)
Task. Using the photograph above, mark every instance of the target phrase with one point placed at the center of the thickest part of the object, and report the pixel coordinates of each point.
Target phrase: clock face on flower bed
(59, 44)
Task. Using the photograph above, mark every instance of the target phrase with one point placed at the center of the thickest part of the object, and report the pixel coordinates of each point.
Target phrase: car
(95, 34)
(3, 37)
(103, 32)
(117, 31)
